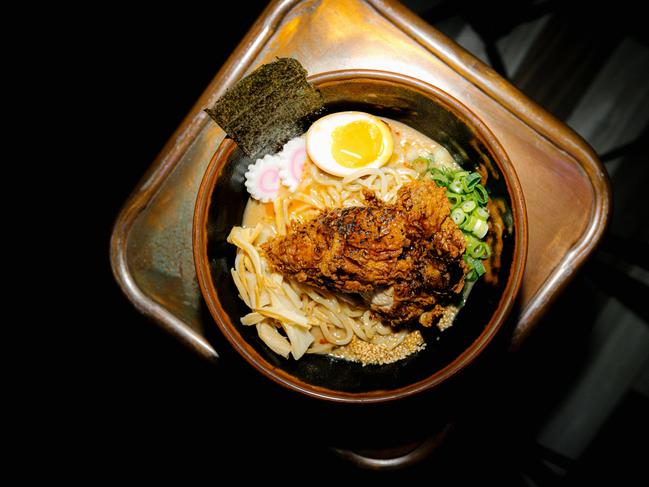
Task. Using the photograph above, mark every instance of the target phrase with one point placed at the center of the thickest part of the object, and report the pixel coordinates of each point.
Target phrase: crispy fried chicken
(402, 259)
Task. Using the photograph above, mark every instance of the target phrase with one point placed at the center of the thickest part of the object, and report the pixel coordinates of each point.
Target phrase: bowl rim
(506, 301)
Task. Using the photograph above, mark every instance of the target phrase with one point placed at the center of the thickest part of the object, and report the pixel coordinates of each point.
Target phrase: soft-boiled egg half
(345, 142)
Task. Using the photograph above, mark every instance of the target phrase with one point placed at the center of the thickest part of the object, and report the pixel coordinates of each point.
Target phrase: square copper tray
(566, 189)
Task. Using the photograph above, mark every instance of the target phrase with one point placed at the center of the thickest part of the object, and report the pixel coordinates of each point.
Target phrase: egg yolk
(356, 144)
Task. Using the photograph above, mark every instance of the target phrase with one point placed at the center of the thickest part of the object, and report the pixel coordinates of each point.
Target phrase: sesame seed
(379, 353)
(447, 318)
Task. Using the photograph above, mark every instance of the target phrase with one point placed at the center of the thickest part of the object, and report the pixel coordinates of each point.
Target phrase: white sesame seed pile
(370, 353)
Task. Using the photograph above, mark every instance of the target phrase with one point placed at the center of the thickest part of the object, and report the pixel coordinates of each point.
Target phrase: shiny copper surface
(565, 187)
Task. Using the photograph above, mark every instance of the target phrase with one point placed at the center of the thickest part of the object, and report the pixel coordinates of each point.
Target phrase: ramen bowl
(220, 205)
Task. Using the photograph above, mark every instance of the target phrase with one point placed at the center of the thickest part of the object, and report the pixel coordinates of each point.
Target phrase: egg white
(319, 141)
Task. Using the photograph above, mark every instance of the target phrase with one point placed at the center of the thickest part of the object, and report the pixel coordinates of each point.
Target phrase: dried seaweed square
(268, 107)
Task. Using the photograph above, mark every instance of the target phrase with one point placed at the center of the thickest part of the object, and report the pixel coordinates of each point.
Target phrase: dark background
(155, 406)
(164, 409)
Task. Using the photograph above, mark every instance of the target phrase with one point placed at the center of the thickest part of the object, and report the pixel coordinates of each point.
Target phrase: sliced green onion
(476, 226)
(470, 182)
(481, 213)
(458, 216)
(454, 199)
(473, 265)
(473, 249)
(437, 170)
(456, 186)
(467, 198)
(469, 206)
(469, 224)
(439, 176)
(478, 267)
(480, 228)
(421, 164)
(480, 194)
(440, 179)
(478, 249)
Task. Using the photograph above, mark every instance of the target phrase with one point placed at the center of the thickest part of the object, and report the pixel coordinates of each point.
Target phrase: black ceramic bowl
(222, 198)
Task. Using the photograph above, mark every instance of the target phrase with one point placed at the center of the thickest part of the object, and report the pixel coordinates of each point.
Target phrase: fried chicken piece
(402, 259)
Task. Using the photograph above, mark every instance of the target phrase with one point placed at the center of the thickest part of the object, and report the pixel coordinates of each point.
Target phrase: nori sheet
(268, 107)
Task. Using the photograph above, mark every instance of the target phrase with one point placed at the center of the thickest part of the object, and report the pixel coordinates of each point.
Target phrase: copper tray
(566, 189)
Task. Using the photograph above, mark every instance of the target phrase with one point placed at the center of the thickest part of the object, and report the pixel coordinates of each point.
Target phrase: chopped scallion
(481, 195)
(454, 198)
(480, 228)
(476, 248)
(469, 206)
(468, 199)
(481, 213)
(456, 186)
(478, 266)
(458, 216)
(440, 179)
(470, 182)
